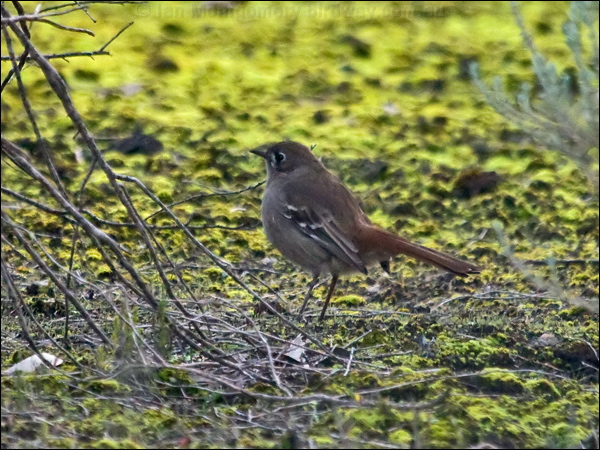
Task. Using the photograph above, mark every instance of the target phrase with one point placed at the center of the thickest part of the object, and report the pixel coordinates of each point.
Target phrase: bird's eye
(279, 157)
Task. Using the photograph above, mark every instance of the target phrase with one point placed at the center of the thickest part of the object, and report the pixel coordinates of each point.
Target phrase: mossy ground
(383, 91)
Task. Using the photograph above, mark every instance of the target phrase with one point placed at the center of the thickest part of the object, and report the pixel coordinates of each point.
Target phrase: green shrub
(563, 116)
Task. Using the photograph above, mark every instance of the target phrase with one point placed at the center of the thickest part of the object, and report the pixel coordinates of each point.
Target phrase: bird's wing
(326, 218)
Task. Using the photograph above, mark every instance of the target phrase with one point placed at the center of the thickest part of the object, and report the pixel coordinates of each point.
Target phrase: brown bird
(315, 221)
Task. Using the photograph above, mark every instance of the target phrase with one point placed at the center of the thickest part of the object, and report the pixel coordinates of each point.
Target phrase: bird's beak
(259, 153)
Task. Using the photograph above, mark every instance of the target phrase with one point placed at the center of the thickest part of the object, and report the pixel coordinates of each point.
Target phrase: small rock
(473, 182)
(545, 340)
(360, 47)
(320, 117)
(390, 109)
(268, 261)
(138, 143)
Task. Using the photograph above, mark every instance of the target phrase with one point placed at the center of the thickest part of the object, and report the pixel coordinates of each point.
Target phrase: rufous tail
(393, 245)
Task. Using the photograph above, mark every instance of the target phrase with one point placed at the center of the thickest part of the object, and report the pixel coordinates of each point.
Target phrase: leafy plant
(564, 115)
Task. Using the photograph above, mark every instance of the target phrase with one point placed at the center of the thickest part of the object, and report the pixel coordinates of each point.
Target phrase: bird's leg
(311, 286)
(385, 265)
(331, 288)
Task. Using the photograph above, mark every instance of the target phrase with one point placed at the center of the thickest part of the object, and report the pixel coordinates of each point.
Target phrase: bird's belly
(304, 251)
(293, 244)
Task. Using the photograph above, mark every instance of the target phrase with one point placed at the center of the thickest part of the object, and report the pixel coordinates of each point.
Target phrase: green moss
(401, 437)
(349, 300)
(109, 443)
(163, 418)
(322, 440)
(501, 382)
(107, 387)
(543, 388)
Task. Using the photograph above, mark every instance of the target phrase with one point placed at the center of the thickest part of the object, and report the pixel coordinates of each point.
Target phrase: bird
(316, 222)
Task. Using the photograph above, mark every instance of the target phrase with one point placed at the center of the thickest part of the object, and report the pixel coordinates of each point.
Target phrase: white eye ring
(278, 157)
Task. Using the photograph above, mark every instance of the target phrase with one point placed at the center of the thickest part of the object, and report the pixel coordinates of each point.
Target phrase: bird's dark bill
(259, 152)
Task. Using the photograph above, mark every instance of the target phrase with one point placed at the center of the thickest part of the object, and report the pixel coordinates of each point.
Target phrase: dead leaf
(296, 353)
(32, 363)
